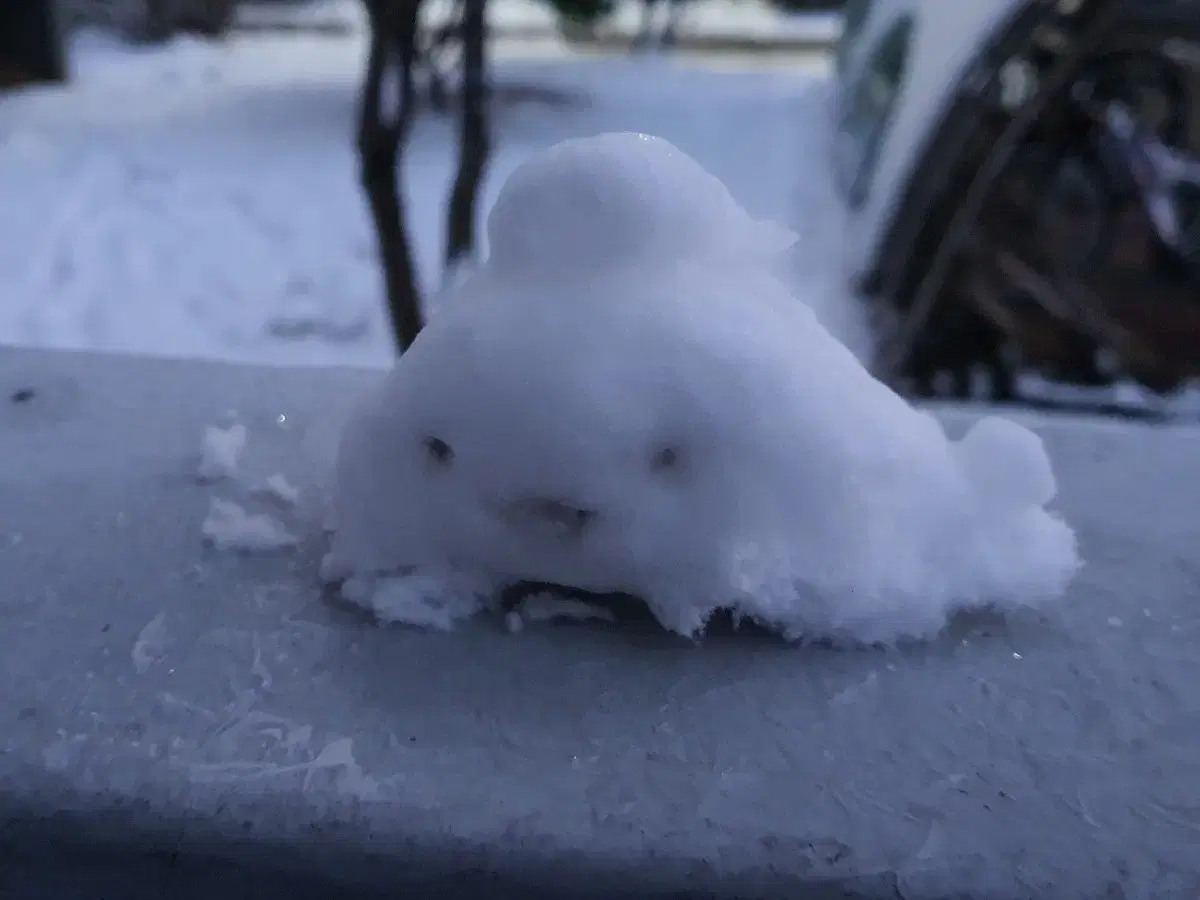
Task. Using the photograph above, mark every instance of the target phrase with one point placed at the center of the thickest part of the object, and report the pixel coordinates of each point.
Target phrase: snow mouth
(511, 595)
(553, 600)
(548, 516)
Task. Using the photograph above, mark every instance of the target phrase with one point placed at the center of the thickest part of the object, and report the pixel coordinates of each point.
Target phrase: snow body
(663, 418)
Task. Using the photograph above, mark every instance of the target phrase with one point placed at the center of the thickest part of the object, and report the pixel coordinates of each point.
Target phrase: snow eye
(667, 458)
(439, 451)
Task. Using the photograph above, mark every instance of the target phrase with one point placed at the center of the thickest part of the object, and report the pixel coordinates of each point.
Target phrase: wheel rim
(981, 244)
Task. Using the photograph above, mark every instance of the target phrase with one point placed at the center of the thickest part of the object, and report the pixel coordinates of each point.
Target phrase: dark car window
(854, 16)
(867, 108)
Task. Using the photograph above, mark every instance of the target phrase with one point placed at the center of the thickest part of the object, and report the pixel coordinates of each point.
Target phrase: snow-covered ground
(745, 20)
(202, 201)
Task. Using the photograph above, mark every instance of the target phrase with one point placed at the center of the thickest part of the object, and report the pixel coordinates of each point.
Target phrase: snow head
(678, 427)
(607, 200)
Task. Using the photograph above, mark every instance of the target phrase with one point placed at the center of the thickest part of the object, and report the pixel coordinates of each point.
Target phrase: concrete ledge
(212, 714)
(119, 854)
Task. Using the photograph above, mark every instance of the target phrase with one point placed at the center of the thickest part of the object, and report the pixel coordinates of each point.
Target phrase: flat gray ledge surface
(1054, 755)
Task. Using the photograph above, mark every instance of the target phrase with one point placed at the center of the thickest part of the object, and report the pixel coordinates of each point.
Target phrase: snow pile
(625, 398)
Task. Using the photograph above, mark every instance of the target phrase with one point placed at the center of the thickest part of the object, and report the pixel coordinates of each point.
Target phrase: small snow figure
(626, 399)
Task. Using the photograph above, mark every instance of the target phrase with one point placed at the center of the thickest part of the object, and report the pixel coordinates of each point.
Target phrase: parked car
(1023, 186)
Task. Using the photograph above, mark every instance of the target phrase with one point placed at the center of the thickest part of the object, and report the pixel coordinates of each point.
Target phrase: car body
(1013, 200)
(940, 42)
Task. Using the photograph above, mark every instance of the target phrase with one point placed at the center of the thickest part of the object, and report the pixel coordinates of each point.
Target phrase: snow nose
(566, 519)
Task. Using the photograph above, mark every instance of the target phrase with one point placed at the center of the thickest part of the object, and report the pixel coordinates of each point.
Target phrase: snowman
(627, 398)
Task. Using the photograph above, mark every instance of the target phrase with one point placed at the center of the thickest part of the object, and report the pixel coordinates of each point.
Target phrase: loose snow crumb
(547, 608)
(278, 489)
(229, 527)
(664, 418)
(358, 589)
(419, 601)
(152, 642)
(334, 570)
(856, 692)
(221, 451)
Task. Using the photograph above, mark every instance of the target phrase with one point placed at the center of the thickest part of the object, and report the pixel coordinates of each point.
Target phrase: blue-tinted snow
(202, 200)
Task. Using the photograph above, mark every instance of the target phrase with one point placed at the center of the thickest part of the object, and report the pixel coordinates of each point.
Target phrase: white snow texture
(625, 397)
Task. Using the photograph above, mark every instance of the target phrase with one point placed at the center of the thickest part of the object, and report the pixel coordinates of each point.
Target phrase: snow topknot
(612, 198)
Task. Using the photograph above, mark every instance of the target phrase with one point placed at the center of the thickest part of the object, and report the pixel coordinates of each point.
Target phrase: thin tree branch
(474, 143)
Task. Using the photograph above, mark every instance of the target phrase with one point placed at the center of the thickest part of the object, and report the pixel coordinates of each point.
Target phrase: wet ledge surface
(199, 704)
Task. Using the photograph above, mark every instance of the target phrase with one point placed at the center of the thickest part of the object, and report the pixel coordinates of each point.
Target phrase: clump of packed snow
(434, 602)
(221, 451)
(230, 526)
(664, 419)
(277, 489)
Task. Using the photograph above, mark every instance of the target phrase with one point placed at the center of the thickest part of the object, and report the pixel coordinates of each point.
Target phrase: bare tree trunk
(381, 139)
(670, 33)
(32, 44)
(211, 18)
(156, 22)
(474, 144)
(646, 29)
(431, 58)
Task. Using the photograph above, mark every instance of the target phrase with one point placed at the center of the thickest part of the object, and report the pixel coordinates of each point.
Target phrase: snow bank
(663, 418)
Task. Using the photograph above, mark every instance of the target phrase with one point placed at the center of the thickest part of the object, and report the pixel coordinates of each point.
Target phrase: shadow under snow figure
(625, 398)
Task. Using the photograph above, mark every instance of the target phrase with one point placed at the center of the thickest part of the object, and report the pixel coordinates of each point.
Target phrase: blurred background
(182, 177)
